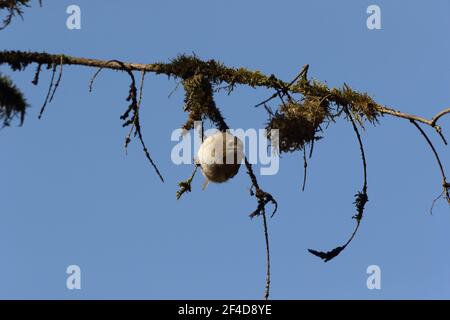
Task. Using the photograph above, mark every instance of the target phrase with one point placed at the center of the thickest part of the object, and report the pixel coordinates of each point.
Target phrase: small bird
(220, 157)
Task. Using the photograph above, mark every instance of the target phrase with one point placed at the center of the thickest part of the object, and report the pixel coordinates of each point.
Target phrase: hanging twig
(57, 81)
(133, 107)
(266, 237)
(49, 91)
(95, 75)
(445, 185)
(263, 199)
(36, 75)
(305, 166)
(360, 202)
(174, 89)
(133, 125)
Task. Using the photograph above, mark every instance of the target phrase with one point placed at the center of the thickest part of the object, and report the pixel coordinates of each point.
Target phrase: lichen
(199, 102)
(298, 122)
(12, 102)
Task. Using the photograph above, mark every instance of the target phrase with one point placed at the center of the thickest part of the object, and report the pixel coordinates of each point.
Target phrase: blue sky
(70, 195)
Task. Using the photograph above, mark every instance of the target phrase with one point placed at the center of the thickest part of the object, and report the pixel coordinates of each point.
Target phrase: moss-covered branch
(186, 67)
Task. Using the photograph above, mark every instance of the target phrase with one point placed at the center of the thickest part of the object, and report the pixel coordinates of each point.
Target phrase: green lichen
(199, 102)
(298, 122)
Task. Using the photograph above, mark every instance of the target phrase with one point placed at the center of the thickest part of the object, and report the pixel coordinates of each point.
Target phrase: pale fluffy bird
(220, 157)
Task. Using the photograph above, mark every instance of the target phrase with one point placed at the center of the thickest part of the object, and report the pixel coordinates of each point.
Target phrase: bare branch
(445, 184)
(436, 117)
(431, 123)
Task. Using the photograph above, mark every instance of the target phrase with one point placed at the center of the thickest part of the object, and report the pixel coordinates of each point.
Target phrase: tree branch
(445, 184)
(214, 70)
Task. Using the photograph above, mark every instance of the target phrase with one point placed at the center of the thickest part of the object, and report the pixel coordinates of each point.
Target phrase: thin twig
(303, 73)
(261, 210)
(311, 148)
(441, 167)
(305, 166)
(439, 115)
(434, 202)
(431, 123)
(58, 81)
(49, 91)
(134, 106)
(361, 148)
(263, 199)
(91, 82)
(360, 202)
(174, 89)
(35, 80)
(266, 236)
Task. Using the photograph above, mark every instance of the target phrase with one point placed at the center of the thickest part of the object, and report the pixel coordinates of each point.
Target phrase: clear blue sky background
(69, 195)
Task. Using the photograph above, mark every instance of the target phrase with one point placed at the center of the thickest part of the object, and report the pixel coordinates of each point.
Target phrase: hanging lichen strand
(305, 107)
(298, 123)
(199, 102)
(12, 102)
(13, 8)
